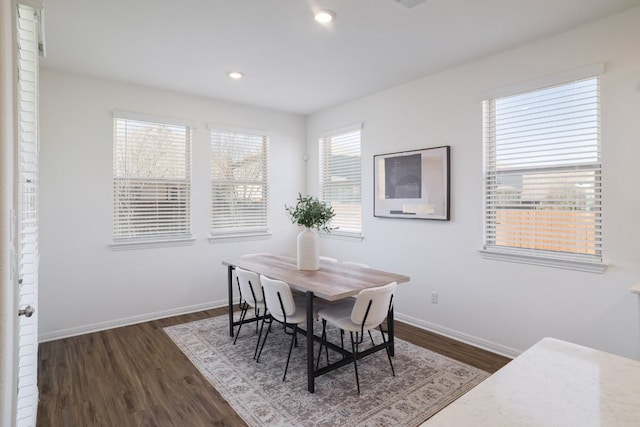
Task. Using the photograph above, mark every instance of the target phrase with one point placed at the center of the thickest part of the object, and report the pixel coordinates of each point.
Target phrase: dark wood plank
(481, 359)
(130, 376)
(136, 376)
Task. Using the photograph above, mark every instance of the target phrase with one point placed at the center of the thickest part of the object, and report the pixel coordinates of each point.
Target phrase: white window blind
(238, 182)
(340, 179)
(543, 174)
(151, 180)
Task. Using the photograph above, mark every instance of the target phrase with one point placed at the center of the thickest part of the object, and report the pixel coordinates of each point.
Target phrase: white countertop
(554, 383)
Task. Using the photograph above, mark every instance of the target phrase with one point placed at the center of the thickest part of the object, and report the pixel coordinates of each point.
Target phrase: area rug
(425, 381)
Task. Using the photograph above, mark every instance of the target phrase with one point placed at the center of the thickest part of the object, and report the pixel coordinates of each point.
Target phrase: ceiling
(290, 62)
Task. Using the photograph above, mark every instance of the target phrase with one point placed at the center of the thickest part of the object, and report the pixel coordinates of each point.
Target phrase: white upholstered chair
(282, 308)
(367, 312)
(251, 296)
(246, 256)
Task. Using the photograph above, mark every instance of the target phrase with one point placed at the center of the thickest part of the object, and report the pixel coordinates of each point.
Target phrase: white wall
(506, 307)
(84, 284)
(503, 306)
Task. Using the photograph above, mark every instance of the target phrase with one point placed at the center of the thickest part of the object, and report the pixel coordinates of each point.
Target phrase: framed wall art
(412, 184)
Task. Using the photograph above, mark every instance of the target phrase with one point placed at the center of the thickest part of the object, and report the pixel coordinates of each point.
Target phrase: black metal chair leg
(326, 349)
(371, 336)
(386, 347)
(255, 352)
(243, 313)
(257, 314)
(293, 338)
(355, 360)
(263, 341)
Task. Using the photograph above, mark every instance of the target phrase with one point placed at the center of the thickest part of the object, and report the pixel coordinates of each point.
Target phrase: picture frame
(412, 184)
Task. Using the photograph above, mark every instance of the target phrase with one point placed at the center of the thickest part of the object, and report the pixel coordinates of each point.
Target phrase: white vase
(308, 250)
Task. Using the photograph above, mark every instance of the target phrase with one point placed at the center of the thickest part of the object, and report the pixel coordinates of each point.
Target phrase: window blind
(238, 182)
(152, 180)
(340, 179)
(542, 172)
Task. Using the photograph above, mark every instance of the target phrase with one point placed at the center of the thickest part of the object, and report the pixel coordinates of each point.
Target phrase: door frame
(8, 292)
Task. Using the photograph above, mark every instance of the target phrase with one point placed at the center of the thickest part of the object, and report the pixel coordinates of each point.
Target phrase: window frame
(143, 241)
(233, 233)
(567, 260)
(323, 178)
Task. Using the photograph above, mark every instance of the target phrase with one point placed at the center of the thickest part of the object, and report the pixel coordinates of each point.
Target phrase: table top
(554, 383)
(333, 281)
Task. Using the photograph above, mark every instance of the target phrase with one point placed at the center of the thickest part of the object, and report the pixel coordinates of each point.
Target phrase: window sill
(238, 237)
(337, 235)
(569, 264)
(132, 244)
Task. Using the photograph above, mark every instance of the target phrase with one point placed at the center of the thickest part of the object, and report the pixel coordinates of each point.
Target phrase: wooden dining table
(332, 282)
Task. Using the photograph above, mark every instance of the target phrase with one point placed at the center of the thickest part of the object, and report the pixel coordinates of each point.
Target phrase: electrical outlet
(434, 297)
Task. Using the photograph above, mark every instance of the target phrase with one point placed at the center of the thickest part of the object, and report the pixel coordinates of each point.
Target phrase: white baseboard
(460, 336)
(96, 327)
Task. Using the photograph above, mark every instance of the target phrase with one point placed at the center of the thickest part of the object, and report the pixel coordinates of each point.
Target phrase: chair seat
(339, 315)
(300, 316)
(260, 305)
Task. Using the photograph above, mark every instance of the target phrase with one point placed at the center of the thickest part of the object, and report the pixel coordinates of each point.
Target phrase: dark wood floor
(136, 376)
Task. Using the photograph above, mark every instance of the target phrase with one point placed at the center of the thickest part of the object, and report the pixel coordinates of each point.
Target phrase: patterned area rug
(425, 382)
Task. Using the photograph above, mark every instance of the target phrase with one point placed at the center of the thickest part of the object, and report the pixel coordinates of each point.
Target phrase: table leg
(230, 292)
(310, 367)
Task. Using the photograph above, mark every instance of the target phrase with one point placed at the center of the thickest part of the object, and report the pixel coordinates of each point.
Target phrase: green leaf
(311, 213)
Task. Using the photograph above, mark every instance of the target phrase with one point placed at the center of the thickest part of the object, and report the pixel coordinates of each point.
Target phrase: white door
(27, 214)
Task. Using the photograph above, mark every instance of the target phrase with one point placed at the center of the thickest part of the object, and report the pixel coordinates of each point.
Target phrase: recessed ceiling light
(236, 75)
(325, 16)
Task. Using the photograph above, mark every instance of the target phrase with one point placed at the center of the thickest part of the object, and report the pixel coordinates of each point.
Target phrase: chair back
(250, 287)
(278, 298)
(372, 305)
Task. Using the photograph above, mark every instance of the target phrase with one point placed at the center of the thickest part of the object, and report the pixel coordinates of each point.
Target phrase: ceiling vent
(409, 4)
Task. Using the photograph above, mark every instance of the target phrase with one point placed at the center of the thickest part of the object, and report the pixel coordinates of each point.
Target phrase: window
(340, 178)
(542, 174)
(151, 180)
(238, 182)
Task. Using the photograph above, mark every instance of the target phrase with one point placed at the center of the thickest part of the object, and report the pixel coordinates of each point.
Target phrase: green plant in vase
(313, 215)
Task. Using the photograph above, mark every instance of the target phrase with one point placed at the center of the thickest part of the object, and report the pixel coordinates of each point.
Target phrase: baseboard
(432, 327)
(460, 336)
(96, 327)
